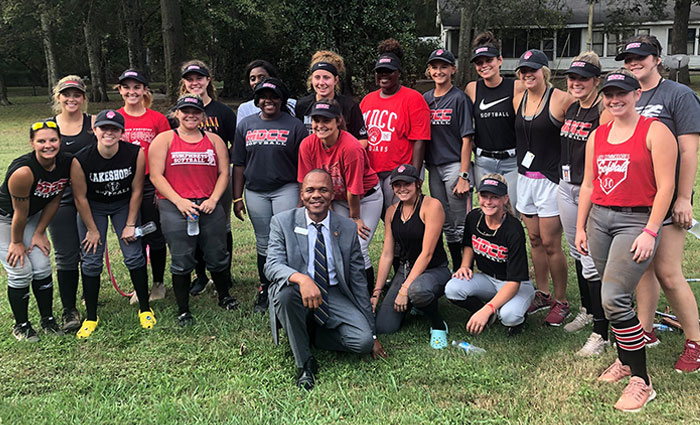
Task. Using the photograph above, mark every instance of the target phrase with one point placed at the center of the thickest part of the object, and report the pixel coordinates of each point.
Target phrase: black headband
(325, 66)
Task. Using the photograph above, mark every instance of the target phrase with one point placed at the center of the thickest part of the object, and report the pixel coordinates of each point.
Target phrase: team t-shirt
(674, 104)
(109, 180)
(143, 129)
(221, 120)
(450, 120)
(350, 110)
(248, 108)
(346, 161)
(500, 254)
(392, 124)
(269, 150)
(46, 185)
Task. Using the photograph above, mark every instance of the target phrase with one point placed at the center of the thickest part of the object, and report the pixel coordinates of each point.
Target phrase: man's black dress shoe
(307, 374)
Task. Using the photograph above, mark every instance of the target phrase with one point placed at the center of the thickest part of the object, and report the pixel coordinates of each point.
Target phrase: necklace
(404, 220)
(481, 220)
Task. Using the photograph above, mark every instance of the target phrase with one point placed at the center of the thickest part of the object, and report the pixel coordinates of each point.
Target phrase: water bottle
(145, 229)
(468, 348)
(192, 225)
(695, 230)
(660, 327)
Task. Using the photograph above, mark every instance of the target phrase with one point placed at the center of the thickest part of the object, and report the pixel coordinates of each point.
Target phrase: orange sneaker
(635, 395)
(615, 372)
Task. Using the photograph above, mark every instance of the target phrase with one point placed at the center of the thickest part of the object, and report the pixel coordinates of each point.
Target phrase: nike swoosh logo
(70, 143)
(484, 106)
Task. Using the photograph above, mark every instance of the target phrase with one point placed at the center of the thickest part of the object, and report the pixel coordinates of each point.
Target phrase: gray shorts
(37, 265)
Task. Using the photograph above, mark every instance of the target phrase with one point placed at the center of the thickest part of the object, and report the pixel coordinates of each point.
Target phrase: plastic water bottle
(192, 225)
(660, 327)
(145, 229)
(695, 230)
(468, 348)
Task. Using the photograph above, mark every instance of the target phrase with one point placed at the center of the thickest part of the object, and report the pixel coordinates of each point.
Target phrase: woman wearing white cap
(582, 117)
(141, 125)
(678, 107)
(70, 104)
(496, 240)
(540, 114)
(326, 69)
(494, 114)
(448, 155)
(627, 188)
(221, 120)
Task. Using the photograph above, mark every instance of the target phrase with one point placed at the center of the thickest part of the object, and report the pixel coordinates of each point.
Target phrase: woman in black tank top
(493, 112)
(69, 105)
(540, 112)
(414, 224)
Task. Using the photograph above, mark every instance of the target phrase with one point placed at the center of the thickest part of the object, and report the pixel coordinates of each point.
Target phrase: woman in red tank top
(626, 191)
(189, 168)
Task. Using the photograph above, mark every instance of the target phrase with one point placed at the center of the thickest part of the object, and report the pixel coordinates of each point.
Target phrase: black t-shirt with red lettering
(269, 150)
(501, 253)
(579, 123)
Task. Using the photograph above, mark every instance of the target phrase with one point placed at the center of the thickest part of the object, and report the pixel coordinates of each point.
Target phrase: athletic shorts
(537, 196)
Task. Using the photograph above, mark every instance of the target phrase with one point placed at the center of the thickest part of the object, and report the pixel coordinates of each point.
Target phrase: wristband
(238, 200)
(493, 309)
(355, 218)
(645, 230)
(130, 225)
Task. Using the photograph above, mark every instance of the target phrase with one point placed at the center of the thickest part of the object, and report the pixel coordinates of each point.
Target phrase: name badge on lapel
(301, 230)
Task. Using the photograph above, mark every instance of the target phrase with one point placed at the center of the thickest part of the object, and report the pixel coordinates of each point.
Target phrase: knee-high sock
(91, 292)
(43, 292)
(229, 247)
(68, 287)
(139, 278)
(631, 346)
(583, 288)
(157, 258)
(181, 288)
(222, 281)
(201, 267)
(261, 265)
(471, 304)
(600, 323)
(19, 303)
(370, 279)
(456, 254)
(432, 312)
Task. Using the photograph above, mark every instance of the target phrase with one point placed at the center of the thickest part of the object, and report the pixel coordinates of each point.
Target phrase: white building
(561, 45)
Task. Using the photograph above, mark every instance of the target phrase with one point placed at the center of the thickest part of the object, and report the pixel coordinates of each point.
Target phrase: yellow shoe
(87, 328)
(147, 319)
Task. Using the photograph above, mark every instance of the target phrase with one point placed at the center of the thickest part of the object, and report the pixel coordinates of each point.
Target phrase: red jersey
(191, 168)
(391, 125)
(346, 161)
(623, 174)
(143, 129)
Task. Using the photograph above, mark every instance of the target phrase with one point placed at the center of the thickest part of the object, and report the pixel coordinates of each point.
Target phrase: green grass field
(126, 375)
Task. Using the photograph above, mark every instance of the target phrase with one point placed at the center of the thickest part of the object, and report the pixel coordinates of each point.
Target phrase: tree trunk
(4, 101)
(173, 45)
(47, 42)
(589, 32)
(132, 13)
(93, 43)
(469, 9)
(681, 15)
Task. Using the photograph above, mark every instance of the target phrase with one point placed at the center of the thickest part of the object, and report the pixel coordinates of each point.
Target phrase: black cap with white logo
(196, 69)
(584, 69)
(488, 51)
(639, 48)
(620, 80)
(132, 74)
(494, 186)
(388, 61)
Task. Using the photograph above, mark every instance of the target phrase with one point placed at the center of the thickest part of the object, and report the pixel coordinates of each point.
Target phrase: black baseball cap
(620, 80)
(487, 51)
(442, 55)
(494, 186)
(388, 61)
(272, 84)
(639, 48)
(132, 74)
(194, 68)
(189, 101)
(584, 69)
(404, 173)
(109, 117)
(534, 59)
(324, 109)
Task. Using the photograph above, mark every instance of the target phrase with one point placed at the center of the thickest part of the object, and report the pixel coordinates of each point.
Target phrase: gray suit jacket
(287, 253)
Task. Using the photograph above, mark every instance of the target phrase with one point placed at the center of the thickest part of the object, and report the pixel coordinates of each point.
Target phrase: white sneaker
(581, 320)
(595, 346)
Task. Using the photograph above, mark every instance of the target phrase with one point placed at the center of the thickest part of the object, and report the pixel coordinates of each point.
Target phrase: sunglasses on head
(44, 124)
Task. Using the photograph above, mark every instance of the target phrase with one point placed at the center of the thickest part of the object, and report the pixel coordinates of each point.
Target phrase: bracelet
(237, 199)
(355, 218)
(493, 309)
(130, 225)
(645, 230)
(374, 296)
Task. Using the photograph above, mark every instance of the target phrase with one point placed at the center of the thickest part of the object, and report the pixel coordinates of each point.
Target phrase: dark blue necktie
(321, 275)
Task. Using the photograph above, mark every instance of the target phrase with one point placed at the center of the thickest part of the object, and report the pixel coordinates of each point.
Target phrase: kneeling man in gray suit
(318, 284)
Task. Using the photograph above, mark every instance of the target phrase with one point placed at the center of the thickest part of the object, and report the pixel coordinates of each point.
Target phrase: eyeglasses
(44, 124)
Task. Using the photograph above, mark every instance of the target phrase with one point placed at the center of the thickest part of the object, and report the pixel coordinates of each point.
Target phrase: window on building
(515, 43)
(690, 42)
(598, 41)
(569, 42)
(615, 40)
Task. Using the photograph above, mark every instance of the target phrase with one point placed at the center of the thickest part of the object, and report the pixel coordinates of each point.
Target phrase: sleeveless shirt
(494, 116)
(409, 236)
